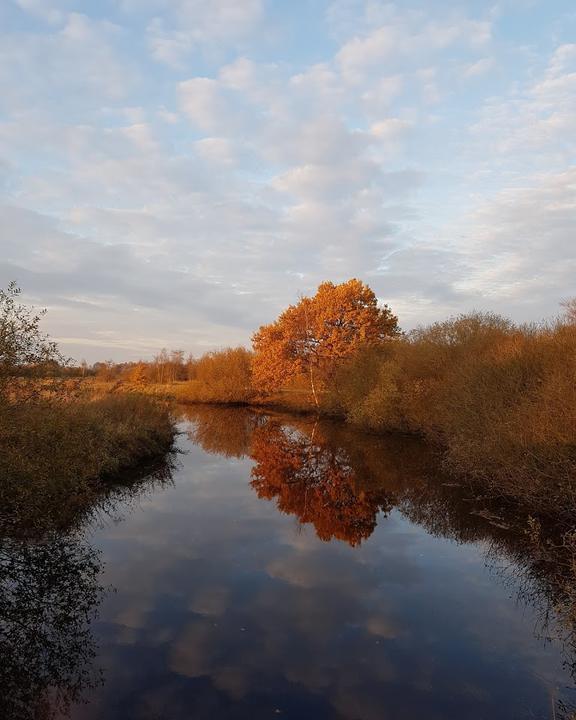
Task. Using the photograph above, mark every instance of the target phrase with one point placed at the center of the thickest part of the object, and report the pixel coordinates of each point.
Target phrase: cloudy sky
(174, 172)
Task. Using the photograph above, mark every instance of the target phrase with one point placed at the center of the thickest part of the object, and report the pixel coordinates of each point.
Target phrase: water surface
(300, 570)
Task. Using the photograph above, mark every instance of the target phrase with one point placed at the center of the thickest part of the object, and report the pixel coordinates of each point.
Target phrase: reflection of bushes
(49, 592)
(53, 455)
(500, 400)
(221, 430)
(328, 475)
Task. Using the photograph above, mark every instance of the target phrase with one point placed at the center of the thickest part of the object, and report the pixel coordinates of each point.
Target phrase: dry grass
(54, 455)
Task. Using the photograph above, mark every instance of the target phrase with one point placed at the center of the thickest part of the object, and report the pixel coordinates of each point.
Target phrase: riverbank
(503, 428)
(271, 519)
(57, 455)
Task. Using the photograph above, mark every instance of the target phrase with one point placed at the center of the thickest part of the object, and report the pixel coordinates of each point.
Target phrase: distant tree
(313, 335)
(161, 365)
(23, 346)
(138, 373)
(176, 367)
(106, 370)
(190, 368)
(570, 310)
(225, 375)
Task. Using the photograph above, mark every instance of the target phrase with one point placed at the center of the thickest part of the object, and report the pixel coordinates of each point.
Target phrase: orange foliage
(313, 479)
(222, 376)
(313, 335)
(138, 373)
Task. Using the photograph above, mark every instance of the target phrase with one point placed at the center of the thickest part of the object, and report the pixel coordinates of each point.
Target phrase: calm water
(288, 569)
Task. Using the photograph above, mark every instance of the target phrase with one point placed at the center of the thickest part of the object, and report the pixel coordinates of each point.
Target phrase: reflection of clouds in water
(289, 638)
(382, 627)
(233, 609)
(195, 649)
(211, 600)
(309, 570)
(234, 680)
(135, 615)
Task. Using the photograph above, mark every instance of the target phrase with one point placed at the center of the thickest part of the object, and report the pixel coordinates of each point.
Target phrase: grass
(56, 456)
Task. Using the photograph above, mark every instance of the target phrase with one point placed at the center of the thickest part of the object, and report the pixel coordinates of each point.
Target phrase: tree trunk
(310, 361)
(313, 387)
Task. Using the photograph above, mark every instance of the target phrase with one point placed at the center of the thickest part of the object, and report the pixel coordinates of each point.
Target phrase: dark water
(287, 569)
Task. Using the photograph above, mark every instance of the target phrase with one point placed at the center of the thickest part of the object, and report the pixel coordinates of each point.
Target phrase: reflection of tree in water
(49, 592)
(313, 479)
(221, 430)
(338, 480)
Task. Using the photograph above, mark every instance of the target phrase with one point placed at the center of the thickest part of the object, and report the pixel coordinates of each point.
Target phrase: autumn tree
(224, 376)
(312, 336)
(106, 370)
(138, 373)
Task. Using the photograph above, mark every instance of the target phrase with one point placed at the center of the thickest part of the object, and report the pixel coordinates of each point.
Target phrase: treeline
(221, 376)
(497, 398)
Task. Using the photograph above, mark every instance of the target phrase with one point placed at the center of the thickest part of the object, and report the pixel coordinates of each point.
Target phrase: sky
(173, 173)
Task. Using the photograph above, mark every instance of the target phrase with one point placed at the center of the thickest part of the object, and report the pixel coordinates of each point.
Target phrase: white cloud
(520, 244)
(168, 46)
(429, 86)
(202, 100)
(217, 150)
(390, 128)
(364, 53)
(186, 25)
(76, 67)
(378, 98)
(408, 39)
(325, 181)
(239, 75)
(52, 12)
(142, 136)
(480, 67)
(319, 86)
(321, 140)
(134, 194)
(541, 116)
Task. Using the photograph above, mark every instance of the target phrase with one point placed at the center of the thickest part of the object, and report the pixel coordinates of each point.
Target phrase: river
(287, 568)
